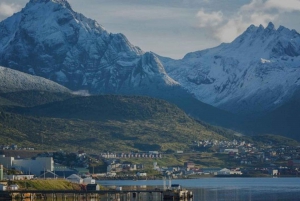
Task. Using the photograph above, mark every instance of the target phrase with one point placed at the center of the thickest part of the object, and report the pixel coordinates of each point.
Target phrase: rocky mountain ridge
(258, 72)
(47, 38)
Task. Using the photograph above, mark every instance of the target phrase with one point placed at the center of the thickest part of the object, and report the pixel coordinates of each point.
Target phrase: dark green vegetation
(95, 123)
(32, 98)
(47, 120)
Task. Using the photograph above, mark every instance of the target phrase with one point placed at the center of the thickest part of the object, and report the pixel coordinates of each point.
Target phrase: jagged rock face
(257, 72)
(47, 38)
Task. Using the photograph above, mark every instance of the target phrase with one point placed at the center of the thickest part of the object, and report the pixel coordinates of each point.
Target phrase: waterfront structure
(40, 164)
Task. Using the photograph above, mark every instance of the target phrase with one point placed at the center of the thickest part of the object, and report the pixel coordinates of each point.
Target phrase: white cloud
(283, 6)
(227, 28)
(8, 9)
(209, 19)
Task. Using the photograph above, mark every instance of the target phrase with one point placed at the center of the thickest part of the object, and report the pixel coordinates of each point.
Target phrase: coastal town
(243, 159)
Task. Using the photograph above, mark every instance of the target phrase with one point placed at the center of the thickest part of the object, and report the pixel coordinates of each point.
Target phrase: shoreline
(197, 177)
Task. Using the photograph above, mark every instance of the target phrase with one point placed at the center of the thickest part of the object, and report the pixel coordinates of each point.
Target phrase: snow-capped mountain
(257, 72)
(13, 81)
(47, 38)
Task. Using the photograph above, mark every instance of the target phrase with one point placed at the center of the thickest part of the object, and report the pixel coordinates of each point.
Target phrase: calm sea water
(227, 189)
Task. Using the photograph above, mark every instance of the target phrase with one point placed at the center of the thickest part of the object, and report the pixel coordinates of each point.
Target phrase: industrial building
(29, 166)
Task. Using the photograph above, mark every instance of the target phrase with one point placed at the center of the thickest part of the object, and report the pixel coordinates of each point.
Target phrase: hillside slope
(13, 80)
(99, 123)
(284, 120)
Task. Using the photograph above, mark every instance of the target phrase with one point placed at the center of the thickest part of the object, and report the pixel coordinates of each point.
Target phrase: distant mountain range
(47, 38)
(257, 75)
(258, 72)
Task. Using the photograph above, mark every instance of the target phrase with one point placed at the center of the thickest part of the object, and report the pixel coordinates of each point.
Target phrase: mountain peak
(251, 28)
(64, 3)
(270, 26)
(46, 1)
(65, 46)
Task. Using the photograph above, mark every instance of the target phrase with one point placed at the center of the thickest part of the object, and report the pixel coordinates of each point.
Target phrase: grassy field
(57, 184)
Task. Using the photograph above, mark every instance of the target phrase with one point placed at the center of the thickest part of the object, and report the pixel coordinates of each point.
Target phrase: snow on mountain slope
(47, 38)
(257, 72)
(13, 80)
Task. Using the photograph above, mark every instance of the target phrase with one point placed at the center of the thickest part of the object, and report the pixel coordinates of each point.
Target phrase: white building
(75, 179)
(3, 187)
(18, 177)
(141, 174)
(226, 171)
(7, 162)
(40, 164)
(13, 187)
(27, 165)
(89, 180)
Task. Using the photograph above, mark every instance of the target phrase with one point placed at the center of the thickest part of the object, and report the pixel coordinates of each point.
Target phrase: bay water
(224, 189)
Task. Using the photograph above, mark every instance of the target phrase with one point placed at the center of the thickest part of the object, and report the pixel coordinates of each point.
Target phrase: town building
(75, 179)
(35, 167)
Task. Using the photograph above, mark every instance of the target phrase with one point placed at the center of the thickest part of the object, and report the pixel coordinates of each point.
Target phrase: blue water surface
(227, 189)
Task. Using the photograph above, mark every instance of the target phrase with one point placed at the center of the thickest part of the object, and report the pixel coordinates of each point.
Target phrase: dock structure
(74, 195)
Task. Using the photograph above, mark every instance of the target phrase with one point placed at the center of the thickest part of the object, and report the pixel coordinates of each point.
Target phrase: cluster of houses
(250, 154)
(220, 143)
(14, 147)
(150, 154)
(267, 155)
(114, 166)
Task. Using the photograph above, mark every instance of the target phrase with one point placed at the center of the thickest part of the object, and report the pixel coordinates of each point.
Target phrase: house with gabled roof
(74, 178)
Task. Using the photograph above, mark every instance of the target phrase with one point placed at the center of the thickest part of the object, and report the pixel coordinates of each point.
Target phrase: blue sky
(175, 27)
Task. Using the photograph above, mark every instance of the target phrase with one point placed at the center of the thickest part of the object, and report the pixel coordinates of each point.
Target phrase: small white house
(89, 180)
(3, 187)
(236, 172)
(223, 171)
(75, 179)
(14, 187)
(141, 174)
(226, 171)
(111, 174)
(119, 188)
(274, 172)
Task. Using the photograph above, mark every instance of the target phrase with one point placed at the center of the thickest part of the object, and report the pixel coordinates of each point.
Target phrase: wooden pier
(76, 195)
